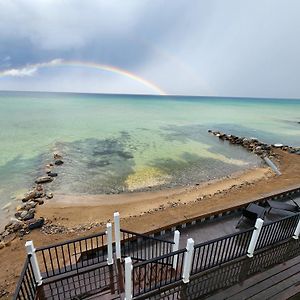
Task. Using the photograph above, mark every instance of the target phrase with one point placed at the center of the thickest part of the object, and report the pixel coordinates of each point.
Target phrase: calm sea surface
(115, 143)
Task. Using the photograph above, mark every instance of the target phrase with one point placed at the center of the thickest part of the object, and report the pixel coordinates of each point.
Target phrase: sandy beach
(144, 212)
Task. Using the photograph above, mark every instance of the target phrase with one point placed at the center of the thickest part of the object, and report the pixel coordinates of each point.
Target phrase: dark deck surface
(278, 283)
(202, 232)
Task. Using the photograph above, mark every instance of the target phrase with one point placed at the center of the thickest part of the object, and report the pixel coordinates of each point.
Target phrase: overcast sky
(213, 47)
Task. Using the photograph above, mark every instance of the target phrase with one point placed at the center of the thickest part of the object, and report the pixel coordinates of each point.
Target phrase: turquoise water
(115, 143)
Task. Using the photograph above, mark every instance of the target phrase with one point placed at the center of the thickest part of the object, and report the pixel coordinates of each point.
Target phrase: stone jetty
(25, 220)
(254, 145)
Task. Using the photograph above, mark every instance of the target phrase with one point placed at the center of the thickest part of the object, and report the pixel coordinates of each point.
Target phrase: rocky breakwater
(254, 145)
(25, 220)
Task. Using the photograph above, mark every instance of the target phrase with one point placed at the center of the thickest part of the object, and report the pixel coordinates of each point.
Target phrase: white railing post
(110, 260)
(297, 231)
(188, 259)
(175, 247)
(128, 278)
(117, 234)
(35, 266)
(257, 228)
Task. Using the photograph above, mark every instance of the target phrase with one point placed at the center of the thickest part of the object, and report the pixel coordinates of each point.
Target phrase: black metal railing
(72, 255)
(157, 272)
(220, 250)
(277, 231)
(142, 247)
(208, 283)
(26, 287)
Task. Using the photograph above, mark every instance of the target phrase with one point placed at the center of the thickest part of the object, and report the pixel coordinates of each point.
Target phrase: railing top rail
(71, 241)
(223, 237)
(294, 215)
(26, 264)
(146, 236)
(155, 259)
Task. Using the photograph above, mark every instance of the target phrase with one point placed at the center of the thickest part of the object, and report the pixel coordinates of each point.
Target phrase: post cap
(108, 225)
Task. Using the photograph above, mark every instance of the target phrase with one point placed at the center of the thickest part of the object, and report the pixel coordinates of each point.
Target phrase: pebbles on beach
(25, 220)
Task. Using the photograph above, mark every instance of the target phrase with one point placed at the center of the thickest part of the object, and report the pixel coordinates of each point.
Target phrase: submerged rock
(52, 174)
(56, 155)
(59, 162)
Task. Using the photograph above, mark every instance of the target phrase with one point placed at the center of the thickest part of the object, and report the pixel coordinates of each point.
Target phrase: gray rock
(52, 174)
(35, 223)
(26, 215)
(5, 233)
(59, 162)
(43, 179)
(30, 195)
(49, 196)
(39, 201)
(56, 155)
(9, 238)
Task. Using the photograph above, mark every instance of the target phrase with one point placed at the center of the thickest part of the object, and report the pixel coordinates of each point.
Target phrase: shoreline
(178, 204)
(79, 209)
(12, 257)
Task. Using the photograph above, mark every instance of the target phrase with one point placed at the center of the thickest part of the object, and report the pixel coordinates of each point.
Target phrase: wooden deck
(278, 283)
(98, 283)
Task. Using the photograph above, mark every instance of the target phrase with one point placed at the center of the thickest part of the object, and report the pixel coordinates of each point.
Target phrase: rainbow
(30, 69)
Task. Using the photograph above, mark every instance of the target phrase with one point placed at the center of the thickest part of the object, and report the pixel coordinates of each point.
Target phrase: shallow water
(115, 143)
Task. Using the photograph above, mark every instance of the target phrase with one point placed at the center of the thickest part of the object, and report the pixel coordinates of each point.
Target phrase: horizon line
(153, 95)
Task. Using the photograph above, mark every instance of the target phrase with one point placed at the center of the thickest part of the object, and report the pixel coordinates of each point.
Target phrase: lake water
(116, 143)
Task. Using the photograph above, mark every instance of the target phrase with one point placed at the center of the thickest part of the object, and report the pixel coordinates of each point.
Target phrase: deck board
(279, 282)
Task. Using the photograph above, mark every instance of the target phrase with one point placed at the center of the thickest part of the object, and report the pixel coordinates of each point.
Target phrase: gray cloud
(213, 47)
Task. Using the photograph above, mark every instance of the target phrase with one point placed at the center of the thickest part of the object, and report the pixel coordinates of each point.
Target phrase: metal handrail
(70, 241)
(19, 290)
(139, 264)
(147, 236)
(223, 237)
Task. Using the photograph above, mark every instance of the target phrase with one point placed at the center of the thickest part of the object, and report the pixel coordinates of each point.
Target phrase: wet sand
(71, 210)
(166, 207)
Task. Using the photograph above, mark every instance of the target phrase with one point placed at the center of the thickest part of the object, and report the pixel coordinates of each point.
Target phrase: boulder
(52, 174)
(39, 201)
(26, 214)
(39, 188)
(30, 195)
(5, 233)
(8, 239)
(35, 223)
(58, 162)
(49, 196)
(27, 206)
(43, 179)
(56, 155)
